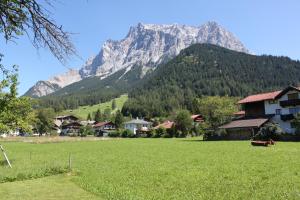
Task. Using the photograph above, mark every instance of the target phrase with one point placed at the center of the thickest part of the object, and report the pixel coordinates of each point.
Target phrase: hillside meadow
(150, 169)
(83, 111)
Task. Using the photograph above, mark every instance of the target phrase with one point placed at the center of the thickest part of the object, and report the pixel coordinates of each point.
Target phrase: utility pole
(6, 158)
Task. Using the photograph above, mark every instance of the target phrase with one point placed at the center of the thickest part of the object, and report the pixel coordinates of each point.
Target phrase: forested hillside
(204, 69)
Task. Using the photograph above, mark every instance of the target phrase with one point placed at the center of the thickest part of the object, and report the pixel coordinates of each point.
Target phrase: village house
(138, 125)
(66, 124)
(166, 125)
(103, 128)
(66, 118)
(72, 127)
(278, 106)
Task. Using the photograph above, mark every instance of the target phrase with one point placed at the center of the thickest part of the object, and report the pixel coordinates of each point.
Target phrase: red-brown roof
(166, 125)
(246, 123)
(259, 97)
(242, 112)
(197, 118)
(267, 96)
(99, 124)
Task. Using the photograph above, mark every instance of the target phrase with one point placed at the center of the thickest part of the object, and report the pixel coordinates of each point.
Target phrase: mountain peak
(147, 45)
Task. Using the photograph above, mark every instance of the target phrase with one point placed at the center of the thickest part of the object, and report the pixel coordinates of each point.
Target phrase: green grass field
(152, 169)
(83, 111)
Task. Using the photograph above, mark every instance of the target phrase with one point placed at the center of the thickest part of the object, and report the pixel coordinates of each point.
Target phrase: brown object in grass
(260, 143)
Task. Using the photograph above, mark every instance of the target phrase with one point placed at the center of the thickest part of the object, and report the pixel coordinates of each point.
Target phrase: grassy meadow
(151, 169)
(83, 111)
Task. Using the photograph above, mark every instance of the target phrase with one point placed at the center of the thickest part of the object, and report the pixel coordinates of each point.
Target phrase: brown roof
(267, 96)
(246, 123)
(197, 118)
(99, 124)
(259, 97)
(241, 112)
(166, 125)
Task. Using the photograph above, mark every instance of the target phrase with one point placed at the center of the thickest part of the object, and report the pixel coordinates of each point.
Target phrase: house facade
(137, 125)
(278, 106)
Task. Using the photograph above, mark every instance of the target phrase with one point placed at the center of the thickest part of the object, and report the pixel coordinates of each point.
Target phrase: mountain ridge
(146, 45)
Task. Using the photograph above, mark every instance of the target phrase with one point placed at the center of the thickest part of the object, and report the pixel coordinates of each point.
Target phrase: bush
(127, 133)
(72, 134)
(54, 133)
(160, 132)
(269, 131)
(86, 130)
(114, 134)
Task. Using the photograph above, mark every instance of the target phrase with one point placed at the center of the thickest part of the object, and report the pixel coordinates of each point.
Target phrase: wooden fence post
(70, 161)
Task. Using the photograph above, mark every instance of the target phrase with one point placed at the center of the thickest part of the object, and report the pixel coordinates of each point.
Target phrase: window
(272, 101)
(294, 110)
(292, 96)
(293, 125)
(278, 111)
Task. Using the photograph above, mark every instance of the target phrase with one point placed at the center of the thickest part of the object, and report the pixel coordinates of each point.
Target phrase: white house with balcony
(278, 106)
(137, 124)
(284, 106)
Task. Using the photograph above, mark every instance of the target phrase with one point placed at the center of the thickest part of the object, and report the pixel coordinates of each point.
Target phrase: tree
(269, 131)
(107, 114)
(183, 122)
(98, 116)
(113, 104)
(16, 18)
(15, 112)
(296, 123)
(217, 110)
(119, 119)
(30, 17)
(89, 118)
(44, 120)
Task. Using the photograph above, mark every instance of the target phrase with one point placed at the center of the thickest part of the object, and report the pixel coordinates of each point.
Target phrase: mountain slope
(146, 45)
(93, 90)
(204, 69)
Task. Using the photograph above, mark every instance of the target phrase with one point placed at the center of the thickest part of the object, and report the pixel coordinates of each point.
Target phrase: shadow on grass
(4, 163)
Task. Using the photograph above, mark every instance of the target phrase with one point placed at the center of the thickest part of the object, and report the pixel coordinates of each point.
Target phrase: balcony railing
(287, 117)
(291, 102)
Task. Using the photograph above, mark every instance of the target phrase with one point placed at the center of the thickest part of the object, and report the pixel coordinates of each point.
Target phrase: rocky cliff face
(145, 45)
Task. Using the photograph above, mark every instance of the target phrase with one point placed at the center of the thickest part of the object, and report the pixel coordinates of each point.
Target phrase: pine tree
(119, 119)
(89, 118)
(98, 116)
(113, 105)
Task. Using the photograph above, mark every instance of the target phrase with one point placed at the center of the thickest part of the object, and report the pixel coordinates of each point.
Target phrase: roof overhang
(245, 123)
(267, 96)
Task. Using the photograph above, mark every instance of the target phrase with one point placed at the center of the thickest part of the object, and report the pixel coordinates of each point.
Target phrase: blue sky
(265, 27)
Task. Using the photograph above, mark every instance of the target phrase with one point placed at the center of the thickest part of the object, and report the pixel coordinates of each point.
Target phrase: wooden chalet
(166, 125)
(104, 126)
(278, 106)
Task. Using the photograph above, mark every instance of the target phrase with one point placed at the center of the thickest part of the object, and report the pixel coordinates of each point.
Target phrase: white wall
(271, 109)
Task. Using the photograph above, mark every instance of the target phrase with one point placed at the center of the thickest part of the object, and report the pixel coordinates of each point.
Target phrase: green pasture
(151, 169)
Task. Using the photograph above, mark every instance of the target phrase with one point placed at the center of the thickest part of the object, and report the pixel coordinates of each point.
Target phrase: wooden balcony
(287, 117)
(291, 102)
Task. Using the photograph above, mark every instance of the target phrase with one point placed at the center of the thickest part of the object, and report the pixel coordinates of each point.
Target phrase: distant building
(66, 118)
(197, 118)
(166, 125)
(136, 125)
(278, 106)
(105, 126)
(64, 124)
(72, 127)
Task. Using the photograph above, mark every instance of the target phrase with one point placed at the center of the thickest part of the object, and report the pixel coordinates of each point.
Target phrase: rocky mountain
(146, 45)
